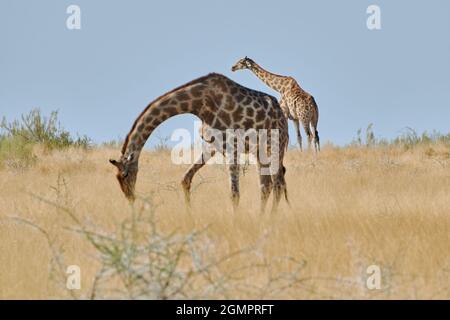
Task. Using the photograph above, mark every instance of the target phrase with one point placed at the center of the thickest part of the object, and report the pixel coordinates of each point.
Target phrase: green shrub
(370, 139)
(34, 128)
(408, 139)
(115, 143)
(163, 143)
(16, 152)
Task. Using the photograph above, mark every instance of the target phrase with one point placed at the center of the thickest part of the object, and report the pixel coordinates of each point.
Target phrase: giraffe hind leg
(316, 140)
(308, 133)
(279, 188)
(265, 183)
(315, 137)
(234, 182)
(297, 131)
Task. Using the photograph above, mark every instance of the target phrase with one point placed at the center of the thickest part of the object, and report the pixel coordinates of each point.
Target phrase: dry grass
(351, 208)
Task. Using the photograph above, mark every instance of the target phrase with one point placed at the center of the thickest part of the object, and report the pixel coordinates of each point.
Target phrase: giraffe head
(127, 170)
(244, 63)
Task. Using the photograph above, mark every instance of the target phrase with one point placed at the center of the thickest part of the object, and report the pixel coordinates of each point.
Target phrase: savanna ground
(351, 207)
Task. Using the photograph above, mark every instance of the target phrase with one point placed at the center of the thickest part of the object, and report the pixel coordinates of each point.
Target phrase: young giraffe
(221, 104)
(296, 103)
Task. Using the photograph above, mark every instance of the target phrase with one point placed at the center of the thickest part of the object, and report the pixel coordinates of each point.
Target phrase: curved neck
(275, 81)
(185, 99)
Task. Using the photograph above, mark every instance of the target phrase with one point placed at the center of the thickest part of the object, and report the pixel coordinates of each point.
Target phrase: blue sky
(129, 52)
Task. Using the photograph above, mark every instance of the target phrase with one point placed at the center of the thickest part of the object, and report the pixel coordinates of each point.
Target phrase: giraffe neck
(185, 99)
(276, 82)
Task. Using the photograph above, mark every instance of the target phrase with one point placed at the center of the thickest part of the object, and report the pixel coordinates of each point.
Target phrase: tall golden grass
(350, 208)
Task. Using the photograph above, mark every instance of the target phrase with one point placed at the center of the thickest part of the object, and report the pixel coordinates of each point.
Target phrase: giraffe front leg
(265, 184)
(297, 131)
(189, 175)
(305, 123)
(234, 182)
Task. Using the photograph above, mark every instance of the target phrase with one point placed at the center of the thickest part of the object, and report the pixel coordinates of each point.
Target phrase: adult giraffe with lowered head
(221, 104)
(297, 104)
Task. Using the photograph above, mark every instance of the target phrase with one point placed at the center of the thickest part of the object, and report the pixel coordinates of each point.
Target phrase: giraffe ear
(114, 162)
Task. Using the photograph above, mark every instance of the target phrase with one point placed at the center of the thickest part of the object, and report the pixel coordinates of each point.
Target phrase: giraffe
(297, 104)
(221, 104)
